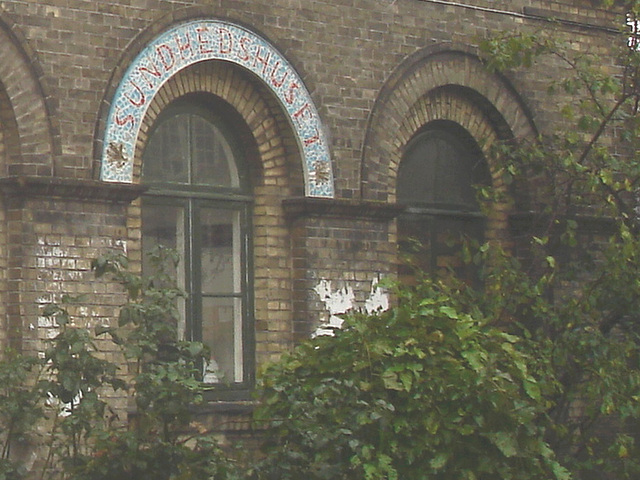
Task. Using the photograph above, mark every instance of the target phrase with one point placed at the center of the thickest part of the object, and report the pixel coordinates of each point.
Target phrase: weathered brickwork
(377, 71)
(347, 242)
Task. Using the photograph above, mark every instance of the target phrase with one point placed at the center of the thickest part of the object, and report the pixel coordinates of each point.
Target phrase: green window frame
(199, 202)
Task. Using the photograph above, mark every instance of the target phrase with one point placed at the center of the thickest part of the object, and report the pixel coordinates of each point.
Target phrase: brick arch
(274, 162)
(29, 139)
(449, 85)
(455, 105)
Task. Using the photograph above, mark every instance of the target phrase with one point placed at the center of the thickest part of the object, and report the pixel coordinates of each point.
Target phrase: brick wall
(377, 70)
(345, 51)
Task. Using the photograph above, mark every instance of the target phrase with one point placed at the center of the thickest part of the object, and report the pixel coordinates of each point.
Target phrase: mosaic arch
(197, 41)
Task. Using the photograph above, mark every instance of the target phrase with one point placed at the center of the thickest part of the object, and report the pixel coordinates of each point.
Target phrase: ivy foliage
(535, 372)
(426, 390)
(64, 393)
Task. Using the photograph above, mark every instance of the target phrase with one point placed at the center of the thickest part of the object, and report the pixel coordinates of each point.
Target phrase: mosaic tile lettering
(198, 41)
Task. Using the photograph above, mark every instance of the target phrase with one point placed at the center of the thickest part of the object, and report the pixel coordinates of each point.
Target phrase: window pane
(416, 177)
(221, 331)
(221, 267)
(433, 243)
(438, 169)
(213, 162)
(163, 225)
(166, 157)
(452, 180)
(220, 255)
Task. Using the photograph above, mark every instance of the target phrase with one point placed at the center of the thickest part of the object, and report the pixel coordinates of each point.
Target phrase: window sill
(230, 407)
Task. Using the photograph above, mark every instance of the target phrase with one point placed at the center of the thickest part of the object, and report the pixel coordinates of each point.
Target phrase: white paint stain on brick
(378, 300)
(336, 302)
(343, 300)
(122, 244)
(47, 322)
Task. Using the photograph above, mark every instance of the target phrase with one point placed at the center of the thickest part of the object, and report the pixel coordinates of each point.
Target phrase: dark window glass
(437, 180)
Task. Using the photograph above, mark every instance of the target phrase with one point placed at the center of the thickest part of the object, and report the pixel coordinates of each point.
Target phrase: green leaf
(475, 358)
(560, 472)
(532, 388)
(439, 461)
(390, 380)
(505, 442)
(449, 312)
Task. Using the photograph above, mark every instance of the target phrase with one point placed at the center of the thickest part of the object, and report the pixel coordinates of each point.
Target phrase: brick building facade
(315, 103)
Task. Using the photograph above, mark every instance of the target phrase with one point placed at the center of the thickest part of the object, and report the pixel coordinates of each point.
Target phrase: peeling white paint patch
(51, 333)
(121, 243)
(64, 409)
(343, 300)
(338, 302)
(47, 322)
(378, 300)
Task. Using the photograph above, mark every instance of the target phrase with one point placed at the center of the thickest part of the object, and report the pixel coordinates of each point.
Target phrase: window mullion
(193, 272)
(190, 148)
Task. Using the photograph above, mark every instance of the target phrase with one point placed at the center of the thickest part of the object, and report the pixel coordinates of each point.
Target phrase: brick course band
(198, 41)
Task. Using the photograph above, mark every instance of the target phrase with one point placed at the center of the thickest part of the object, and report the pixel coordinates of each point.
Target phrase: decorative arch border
(201, 40)
(474, 97)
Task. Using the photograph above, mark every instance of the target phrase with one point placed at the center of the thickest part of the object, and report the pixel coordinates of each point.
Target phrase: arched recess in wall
(428, 145)
(204, 40)
(226, 79)
(9, 137)
(30, 139)
(438, 83)
(27, 148)
(7, 125)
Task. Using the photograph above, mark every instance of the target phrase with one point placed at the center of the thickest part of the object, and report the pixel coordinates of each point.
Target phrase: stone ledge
(297, 207)
(524, 221)
(30, 186)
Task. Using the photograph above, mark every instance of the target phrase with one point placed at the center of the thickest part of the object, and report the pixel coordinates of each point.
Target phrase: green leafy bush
(20, 409)
(535, 374)
(163, 441)
(68, 383)
(427, 390)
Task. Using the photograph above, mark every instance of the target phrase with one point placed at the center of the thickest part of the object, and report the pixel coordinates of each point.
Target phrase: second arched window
(441, 167)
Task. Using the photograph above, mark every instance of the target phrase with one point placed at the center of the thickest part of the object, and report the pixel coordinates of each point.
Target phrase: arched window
(439, 171)
(198, 202)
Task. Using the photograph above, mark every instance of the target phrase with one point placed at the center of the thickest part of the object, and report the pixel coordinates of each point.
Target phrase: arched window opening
(199, 203)
(441, 167)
